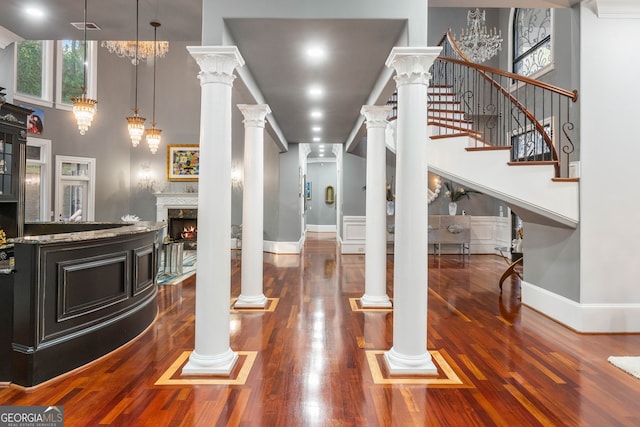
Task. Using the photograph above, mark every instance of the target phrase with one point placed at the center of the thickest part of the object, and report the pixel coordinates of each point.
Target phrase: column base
(382, 301)
(220, 364)
(400, 364)
(258, 301)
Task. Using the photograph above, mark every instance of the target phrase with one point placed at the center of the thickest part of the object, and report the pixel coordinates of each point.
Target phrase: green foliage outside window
(29, 78)
(72, 69)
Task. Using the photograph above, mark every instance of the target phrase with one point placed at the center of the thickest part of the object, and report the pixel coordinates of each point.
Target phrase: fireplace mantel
(166, 201)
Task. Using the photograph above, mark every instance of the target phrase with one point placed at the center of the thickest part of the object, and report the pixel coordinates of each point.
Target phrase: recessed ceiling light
(321, 154)
(316, 53)
(321, 149)
(315, 91)
(316, 114)
(316, 139)
(34, 12)
(316, 129)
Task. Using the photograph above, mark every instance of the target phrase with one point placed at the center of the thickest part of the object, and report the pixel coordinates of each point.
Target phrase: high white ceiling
(272, 49)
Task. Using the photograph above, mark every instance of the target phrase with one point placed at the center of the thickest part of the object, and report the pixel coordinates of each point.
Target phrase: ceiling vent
(90, 26)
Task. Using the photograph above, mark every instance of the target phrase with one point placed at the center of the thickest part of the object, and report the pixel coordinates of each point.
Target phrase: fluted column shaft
(375, 294)
(251, 292)
(212, 354)
(409, 353)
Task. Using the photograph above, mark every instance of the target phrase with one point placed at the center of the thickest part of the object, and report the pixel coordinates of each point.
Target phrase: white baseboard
(321, 228)
(283, 247)
(585, 318)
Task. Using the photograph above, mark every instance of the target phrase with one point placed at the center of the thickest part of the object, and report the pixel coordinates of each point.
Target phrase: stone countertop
(123, 229)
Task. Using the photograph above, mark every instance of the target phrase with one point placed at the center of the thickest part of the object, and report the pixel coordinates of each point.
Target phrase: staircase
(501, 134)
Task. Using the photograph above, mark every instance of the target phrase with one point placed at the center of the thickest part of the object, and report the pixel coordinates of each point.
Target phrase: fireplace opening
(183, 226)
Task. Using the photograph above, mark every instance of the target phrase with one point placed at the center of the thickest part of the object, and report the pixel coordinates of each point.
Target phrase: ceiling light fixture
(136, 50)
(478, 44)
(316, 129)
(154, 135)
(135, 123)
(316, 139)
(34, 12)
(316, 114)
(315, 92)
(316, 53)
(84, 108)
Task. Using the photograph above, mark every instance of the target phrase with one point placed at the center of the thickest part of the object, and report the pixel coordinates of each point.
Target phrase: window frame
(512, 45)
(46, 100)
(45, 174)
(90, 179)
(92, 73)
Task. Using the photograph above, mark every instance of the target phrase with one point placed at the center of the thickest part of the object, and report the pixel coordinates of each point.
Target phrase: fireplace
(183, 226)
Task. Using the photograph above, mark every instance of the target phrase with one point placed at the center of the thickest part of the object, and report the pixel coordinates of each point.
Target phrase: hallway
(313, 354)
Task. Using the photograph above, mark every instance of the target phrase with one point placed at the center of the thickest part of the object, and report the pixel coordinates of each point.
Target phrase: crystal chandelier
(153, 134)
(477, 43)
(84, 108)
(135, 123)
(136, 50)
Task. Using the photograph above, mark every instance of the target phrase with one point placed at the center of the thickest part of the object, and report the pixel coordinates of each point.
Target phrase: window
(530, 146)
(70, 72)
(37, 180)
(34, 71)
(532, 48)
(75, 188)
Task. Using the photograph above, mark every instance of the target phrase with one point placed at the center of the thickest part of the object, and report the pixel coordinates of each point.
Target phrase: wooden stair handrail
(483, 70)
(573, 95)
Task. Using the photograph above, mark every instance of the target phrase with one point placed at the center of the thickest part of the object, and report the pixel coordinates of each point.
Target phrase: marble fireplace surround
(166, 201)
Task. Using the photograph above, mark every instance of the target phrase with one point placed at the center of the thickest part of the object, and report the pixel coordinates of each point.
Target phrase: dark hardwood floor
(312, 360)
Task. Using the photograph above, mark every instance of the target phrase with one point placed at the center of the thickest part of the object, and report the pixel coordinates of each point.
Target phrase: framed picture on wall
(183, 162)
(307, 190)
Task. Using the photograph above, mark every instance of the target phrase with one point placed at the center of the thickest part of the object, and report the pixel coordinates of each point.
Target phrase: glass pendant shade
(135, 125)
(153, 138)
(84, 109)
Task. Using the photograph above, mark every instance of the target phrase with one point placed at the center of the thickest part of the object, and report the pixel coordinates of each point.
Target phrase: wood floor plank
(312, 366)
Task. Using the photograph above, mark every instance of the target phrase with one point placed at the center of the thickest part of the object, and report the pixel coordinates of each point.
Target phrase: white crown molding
(7, 37)
(628, 9)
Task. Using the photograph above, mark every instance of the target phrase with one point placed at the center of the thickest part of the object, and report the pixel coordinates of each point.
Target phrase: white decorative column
(212, 354)
(251, 295)
(375, 291)
(409, 353)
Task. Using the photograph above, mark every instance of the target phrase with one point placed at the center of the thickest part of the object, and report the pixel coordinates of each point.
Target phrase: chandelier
(153, 134)
(135, 123)
(136, 50)
(84, 108)
(477, 43)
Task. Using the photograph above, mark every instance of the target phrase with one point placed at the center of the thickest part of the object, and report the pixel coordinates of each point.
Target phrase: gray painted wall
(271, 188)
(289, 218)
(6, 70)
(321, 175)
(354, 178)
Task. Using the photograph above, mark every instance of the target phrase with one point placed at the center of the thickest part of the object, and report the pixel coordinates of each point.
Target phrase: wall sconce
(236, 177)
(146, 181)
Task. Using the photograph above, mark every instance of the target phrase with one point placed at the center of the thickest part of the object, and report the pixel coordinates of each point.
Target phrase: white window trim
(542, 71)
(47, 77)
(89, 215)
(92, 73)
(45, 163)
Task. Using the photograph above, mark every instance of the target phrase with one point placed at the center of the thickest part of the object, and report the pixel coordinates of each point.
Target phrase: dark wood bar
(76, 296)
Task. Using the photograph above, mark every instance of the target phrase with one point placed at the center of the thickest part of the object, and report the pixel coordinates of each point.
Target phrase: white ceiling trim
(7, 37)
(627, 9)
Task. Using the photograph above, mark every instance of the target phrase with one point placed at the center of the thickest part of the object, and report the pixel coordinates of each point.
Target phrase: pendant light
(153, 134)
(84, 108)
(135, 123)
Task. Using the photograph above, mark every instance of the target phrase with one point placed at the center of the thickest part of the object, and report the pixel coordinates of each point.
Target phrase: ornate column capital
(376, 115)
(216, 63)
(412, 64)
(254, 115)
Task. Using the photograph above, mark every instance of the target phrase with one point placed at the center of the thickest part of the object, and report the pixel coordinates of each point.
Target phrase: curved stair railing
(502, 110)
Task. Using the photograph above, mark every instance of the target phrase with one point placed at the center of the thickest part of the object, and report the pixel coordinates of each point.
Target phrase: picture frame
(183, 162)
(307, 190)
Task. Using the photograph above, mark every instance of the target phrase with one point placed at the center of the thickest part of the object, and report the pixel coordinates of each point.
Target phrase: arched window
(531, 41)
